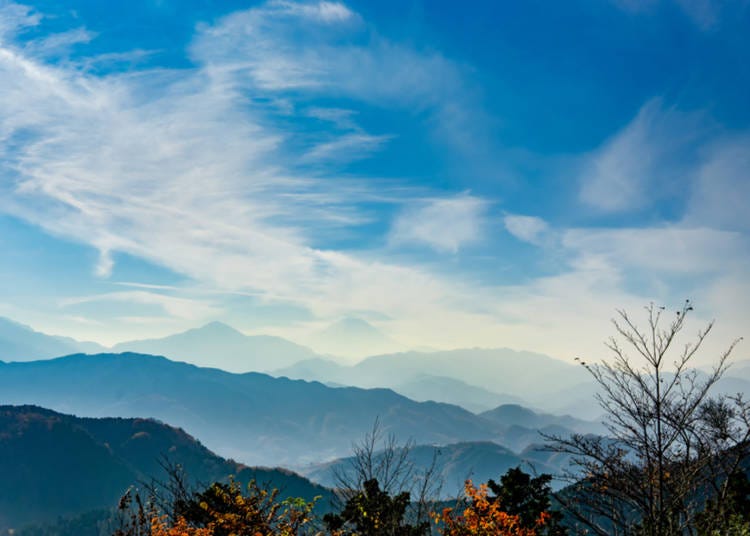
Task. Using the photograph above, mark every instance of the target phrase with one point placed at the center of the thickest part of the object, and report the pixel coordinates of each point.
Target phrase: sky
(458, 174)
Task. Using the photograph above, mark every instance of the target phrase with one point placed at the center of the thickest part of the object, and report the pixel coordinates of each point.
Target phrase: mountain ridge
(54, 464)
(253, 417)
(19, 342)
(219, 345)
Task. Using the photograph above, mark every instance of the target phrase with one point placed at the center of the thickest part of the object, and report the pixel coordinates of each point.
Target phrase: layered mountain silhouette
(252, 417)
(59, 465)
(221, 346)
(517, 415)
(21, 343)
(475, 379)
(442, 389)
(417, 386)
(213, 345)
(420, 376)
(507, 375)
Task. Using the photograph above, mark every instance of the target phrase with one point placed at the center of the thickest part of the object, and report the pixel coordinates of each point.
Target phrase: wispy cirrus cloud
(444, 224)
(526, 228)
(169, 306)
(294, 47)
(646, 161)
(720, 186)
(229, 174)
(180, 168)
(15, 18)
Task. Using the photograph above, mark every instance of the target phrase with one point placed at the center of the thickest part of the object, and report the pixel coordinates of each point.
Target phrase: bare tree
(379, 456)
(671, 442)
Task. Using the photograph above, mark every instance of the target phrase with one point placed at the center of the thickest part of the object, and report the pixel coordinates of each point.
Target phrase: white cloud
(278, 46)
(673, 249)
(176, 168)
(14, 18)
(721, 187)
(59, 43)
(173, 306)
(644, 162)
(330, 12)
(443, 224)
(181, 169)
(347, 147)
(526, 228)
(105, 265)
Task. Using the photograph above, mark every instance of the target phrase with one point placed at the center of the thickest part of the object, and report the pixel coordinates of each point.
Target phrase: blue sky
(459, 174)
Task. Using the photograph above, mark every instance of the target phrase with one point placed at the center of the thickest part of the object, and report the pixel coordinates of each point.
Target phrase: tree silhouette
(527, 497)
(670, 443)
(373, 512)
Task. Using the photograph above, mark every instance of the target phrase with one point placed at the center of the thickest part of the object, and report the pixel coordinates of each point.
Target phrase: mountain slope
(21, 343)
(252, 417)
(221, 346)
(521, 374)
(316, 369)
(516, 415)
(54, 464)
(515, 376)
(418, 386)
(441, 389)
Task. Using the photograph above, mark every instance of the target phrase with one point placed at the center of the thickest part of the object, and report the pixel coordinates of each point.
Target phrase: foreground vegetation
(518, 506)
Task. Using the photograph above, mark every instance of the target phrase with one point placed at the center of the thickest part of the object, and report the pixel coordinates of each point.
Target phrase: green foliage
(373, 512)
(730, 516)
(520, 494)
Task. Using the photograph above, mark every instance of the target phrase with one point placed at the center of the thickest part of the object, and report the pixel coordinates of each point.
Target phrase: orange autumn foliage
(484, 517)
(160, 528)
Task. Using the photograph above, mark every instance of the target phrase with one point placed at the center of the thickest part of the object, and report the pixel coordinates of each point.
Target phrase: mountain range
(55, 465)
(221, 346)
(252, 417)
(19, 342)
(475, 379)
(213, 345)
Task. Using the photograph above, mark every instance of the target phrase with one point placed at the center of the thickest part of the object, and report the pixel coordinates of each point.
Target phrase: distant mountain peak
(217, 328)
(217, 344)
(353, 337)
(515, 410)
(19, 342)
(4, 321)
(354, 324)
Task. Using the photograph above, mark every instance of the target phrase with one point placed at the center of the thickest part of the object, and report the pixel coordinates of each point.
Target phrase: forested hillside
(60, 465)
